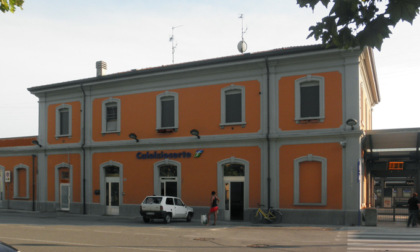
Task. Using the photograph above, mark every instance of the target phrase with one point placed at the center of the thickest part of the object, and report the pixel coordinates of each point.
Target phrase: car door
(170, 206)
(180, 209)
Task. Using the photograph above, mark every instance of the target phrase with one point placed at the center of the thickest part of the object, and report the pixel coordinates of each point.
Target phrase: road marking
(150, 234)
(84, 244)
(397, 240)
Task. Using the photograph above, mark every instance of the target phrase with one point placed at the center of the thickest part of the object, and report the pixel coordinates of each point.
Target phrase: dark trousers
(414, 214)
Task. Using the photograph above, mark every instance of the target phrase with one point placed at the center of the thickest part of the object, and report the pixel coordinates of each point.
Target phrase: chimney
(100, 68)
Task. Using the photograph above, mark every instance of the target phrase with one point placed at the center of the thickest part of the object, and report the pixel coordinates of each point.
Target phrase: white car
(166, 208)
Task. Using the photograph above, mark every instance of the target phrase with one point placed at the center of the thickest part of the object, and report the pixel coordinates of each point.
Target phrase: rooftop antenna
(242, 46)
(174, 44)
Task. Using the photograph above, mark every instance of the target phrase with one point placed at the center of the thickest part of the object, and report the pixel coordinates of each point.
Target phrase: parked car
(166, 208)
(7, 248)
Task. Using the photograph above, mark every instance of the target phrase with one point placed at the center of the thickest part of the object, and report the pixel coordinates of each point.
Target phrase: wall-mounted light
(36, 143)
(195, 132)
(351, 122)
(133, 136)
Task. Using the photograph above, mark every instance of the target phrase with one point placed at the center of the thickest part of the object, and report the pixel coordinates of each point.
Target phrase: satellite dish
(242, 46)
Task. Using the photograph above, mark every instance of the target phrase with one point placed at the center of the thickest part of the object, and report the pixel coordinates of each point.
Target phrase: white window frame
(16, 181)
(159, 98)
(224, 91)
(303, 81)
(296, 191)
(57, 120)
(57, 180)
(104, 103)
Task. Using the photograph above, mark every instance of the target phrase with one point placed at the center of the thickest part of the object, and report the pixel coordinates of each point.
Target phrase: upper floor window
(167, 111)
(309, 98)
(63, 120)
(233, 106)
(111, 115)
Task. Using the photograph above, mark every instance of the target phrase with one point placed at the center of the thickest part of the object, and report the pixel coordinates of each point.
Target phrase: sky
(55, 41)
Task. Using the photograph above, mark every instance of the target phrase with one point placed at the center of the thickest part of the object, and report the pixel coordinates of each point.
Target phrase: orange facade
(333, 103)
(75, 124)
(310, 181)
(199, 107)
(199, 175)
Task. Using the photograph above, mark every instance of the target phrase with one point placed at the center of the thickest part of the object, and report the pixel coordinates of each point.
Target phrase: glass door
(234, 198)
(112, 197)
(168, 186)
(64, 197)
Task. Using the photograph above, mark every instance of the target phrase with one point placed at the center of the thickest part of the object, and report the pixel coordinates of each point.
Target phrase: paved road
(68, 232)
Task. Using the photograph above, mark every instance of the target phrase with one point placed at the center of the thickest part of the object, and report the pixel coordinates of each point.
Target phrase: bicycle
(271, 216)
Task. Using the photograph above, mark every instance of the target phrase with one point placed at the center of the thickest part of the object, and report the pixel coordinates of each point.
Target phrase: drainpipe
(83, 149)
(268, 135)
(33, 182)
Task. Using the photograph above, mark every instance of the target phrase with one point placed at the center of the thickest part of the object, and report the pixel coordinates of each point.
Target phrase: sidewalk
(196, 221)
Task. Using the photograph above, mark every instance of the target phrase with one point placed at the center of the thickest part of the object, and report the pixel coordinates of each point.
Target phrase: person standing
(214, 201)
(413, 209)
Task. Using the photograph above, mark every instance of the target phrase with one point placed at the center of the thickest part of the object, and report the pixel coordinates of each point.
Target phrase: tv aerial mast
(242, 46)
(174, 44)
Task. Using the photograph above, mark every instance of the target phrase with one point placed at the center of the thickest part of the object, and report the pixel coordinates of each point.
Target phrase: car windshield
(153, 200)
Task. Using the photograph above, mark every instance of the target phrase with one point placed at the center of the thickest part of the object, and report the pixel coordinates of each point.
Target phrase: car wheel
(146, 219)
(189, 217)
(167, 218)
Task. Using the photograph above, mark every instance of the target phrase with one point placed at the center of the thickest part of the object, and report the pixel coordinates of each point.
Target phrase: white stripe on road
(83, 244)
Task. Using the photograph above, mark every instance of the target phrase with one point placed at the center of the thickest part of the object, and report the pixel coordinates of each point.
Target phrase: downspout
(268, 135)
(83, 140)
(33, 181)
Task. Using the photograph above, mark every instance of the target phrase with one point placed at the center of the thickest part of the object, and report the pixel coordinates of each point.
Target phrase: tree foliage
(352, 23)
(10, 5)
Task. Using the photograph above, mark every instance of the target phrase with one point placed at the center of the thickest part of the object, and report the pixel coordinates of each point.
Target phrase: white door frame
(64, 200)
(229, 179)
(112, 210)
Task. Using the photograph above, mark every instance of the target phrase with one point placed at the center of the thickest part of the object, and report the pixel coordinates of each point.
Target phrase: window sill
(310, 204)
(20, 198)
(223, 125)
(62, 136)
(166, 130)
(110, 132)
(309, 120)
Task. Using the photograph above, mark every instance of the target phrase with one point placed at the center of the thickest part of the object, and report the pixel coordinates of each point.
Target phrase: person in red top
(413, 208)
(214, 201)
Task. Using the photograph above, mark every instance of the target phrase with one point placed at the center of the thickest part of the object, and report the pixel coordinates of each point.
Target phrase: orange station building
(280, 128)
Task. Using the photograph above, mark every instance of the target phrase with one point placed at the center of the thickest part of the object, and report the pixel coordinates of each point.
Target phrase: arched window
(310, 180)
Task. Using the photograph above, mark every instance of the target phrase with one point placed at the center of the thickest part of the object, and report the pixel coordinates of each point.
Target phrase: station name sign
(165, 155)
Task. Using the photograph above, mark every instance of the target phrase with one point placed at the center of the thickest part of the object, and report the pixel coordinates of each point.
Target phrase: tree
(353, 23)
(10, 5)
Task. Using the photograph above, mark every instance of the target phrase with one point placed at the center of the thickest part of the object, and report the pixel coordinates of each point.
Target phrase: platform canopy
(389, 143)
